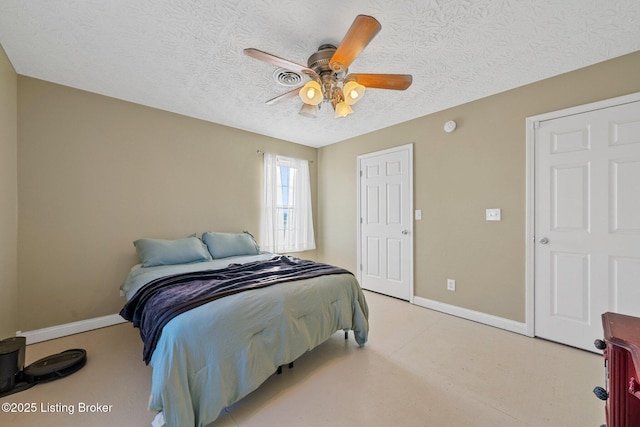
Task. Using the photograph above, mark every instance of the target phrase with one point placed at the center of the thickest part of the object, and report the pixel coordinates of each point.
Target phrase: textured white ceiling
(185, 56)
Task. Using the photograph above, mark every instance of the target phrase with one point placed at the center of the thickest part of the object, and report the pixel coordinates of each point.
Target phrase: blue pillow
(154, 252)
(222, 245)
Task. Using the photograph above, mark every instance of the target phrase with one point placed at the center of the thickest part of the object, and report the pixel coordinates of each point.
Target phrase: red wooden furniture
(622, 365)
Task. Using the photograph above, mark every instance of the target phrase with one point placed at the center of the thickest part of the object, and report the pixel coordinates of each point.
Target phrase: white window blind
(287, 220)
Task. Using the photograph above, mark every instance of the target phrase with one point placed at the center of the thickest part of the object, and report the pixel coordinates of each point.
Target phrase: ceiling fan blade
(382, 81)
(361, 32)
(291, 94)
(280, 62)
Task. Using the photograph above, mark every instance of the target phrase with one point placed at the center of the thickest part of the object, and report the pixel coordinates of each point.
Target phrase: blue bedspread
(213, 355)
(159, 301)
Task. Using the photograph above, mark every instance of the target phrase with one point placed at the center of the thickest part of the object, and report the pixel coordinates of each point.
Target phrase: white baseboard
(58, 331)
(476, 316)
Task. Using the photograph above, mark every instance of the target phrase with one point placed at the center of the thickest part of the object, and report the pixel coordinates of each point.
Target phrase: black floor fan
(14, 377)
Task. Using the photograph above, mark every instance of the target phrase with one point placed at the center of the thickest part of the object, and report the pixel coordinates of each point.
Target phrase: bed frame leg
(279, 371)
(346, 335)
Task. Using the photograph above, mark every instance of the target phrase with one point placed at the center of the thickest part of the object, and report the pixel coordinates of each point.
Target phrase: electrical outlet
(451, 285)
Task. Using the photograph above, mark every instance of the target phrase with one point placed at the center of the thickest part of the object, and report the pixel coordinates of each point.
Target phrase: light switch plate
(494, 215)
(418, 214)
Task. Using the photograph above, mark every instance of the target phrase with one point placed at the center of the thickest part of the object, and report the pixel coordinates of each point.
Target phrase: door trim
(531, 124)
(408, 147)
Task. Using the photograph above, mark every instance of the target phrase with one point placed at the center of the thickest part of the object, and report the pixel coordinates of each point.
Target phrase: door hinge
(360, 174)
(361, 220)
(360, 267)
(536, 125)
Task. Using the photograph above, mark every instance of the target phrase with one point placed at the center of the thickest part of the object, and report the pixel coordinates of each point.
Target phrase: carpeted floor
(419, 368)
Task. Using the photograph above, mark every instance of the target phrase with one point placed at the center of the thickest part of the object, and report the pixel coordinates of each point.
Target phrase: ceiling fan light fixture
(342, 109)
(309, 110)
(353, 92)
(328, 71)
(311, 93)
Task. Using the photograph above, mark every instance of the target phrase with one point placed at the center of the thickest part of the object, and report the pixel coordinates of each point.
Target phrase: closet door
(587, 222)
(386, 222)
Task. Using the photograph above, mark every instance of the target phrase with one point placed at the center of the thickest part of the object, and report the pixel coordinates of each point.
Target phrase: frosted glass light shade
(342, 110)
(309, 110)
(353, 91)
(311, 93)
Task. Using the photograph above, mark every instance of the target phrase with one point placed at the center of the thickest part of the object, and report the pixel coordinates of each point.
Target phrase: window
(287, 222)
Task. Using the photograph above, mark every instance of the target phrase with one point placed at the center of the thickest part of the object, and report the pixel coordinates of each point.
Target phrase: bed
(212, 354)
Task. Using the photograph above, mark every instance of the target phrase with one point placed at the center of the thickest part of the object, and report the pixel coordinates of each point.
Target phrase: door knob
(544, 240)
(405, 232)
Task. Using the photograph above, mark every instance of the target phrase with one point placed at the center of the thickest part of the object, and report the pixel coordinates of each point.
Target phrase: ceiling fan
(328, 72)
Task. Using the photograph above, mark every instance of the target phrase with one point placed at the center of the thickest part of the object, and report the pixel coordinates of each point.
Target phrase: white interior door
(386, 222)
(587, 222)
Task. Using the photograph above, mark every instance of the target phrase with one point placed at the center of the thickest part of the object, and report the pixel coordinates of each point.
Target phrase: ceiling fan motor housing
(319, 62)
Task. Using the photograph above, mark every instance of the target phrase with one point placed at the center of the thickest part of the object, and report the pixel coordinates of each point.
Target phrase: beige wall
(456, 177)
(96, 173)
(8, 197)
